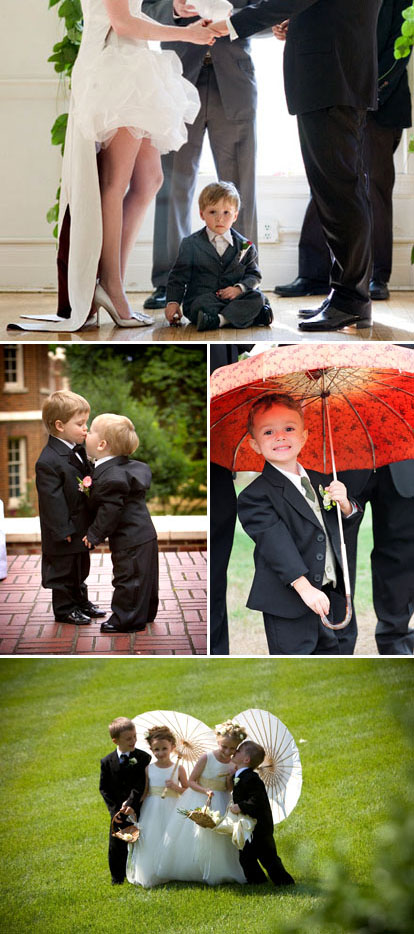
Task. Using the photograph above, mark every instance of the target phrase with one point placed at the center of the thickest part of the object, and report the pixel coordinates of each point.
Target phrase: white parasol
(193, 736)
(281, 770)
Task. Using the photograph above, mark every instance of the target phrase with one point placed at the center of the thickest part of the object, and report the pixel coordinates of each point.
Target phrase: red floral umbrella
(358, 402)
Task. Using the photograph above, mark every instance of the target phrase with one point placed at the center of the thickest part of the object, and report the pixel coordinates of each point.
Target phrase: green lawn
(246, 626)
(54, 823)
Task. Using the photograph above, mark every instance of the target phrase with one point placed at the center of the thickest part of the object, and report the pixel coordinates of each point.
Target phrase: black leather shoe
(158, 299)
(108, 627)
(77, 617)
(265, 316)
(207, 322)
(379, 290)
(333, 319)
(117, 881)
(307, 313)
(302, 286)
(92, 610)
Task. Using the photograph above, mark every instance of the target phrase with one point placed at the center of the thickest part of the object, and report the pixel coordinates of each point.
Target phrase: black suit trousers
(332, 148)
(66, 575)
(222, 525)
(315, 260)
(135, 581)
(117, 857)
(263, 848)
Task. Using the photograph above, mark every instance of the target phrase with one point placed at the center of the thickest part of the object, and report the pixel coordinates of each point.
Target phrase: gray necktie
(310, 493)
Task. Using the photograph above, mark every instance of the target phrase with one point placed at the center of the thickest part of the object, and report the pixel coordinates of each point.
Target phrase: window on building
(13, 368)
(16, 470)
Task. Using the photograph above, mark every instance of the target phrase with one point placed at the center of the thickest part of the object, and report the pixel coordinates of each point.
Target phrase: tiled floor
(393, 321)
(27, 625)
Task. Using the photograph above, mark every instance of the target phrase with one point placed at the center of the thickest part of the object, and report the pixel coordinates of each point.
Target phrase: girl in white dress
(132, 103)
(165, 783)
(192, 853)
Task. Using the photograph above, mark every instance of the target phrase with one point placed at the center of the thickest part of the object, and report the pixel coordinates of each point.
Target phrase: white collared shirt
(70, 445)
(102, 460)
(239, 771)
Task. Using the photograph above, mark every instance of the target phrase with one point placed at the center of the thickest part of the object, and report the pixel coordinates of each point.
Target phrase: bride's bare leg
(146, 180)
(117, 164)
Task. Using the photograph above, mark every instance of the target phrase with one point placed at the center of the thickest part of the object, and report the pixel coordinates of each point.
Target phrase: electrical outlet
(268, 231)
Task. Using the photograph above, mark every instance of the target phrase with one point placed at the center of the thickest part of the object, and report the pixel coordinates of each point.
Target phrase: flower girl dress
(195, 854)
(144, 855)
(116, 82)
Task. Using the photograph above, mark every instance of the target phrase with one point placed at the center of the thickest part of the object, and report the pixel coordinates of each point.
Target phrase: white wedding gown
(116, 82)
(195, 854)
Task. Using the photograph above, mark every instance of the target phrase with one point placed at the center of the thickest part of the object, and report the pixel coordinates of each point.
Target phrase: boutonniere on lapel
(245, 247)
(132, 761)
(84, 486)
(236, 780)
(327, 501)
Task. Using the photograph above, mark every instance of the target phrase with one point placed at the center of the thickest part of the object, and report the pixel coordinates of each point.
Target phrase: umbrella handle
(164, 792)
(345, 621)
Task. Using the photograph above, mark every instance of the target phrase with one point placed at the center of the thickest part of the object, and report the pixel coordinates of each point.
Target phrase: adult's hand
(183, 9)
(219, 29)
(199, 33)
(280, 31)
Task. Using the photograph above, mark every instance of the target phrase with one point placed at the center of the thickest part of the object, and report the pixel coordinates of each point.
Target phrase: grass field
(246, 626)
(54, 824)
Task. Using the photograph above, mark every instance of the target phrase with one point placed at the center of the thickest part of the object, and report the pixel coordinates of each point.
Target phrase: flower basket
(128, 833)
(200, 816)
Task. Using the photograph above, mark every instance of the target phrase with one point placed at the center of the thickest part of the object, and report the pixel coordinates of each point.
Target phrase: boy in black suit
(60, 471)
(122, 785)
(216, 274)
(250, 797)
(117, 502)
(297, 556)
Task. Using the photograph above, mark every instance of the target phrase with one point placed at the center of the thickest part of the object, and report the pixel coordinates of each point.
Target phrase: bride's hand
(198, 33)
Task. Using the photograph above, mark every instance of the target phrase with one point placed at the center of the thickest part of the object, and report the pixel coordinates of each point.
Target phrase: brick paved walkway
(27, 625)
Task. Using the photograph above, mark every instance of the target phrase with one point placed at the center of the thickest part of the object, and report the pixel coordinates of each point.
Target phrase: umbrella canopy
(193, 736)
(281, 770)
(367, 391)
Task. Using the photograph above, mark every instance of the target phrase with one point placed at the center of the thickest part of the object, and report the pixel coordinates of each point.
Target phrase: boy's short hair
(212, 193)
(120, 725)
(118, 431)
(62, 406)
(160, 732)
(255, 752)
(268, 401)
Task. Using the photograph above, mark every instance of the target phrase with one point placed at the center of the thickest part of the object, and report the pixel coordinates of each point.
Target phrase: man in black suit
(330, 69)
(250, 797)
(120, 513)
(390, 490)
(122, 784)
(63, 507)
(382, 137)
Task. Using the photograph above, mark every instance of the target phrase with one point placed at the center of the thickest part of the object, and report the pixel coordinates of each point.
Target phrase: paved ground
(27, 625)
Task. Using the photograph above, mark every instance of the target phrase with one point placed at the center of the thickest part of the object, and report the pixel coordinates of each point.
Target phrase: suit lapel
(290, 493)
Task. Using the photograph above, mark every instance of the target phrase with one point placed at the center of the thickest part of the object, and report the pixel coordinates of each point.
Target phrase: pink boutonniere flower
(84, 485)
(245, 247)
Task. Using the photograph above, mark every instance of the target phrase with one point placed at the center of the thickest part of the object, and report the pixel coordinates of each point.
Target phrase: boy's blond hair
(212, 193)
(118, 431)
(120, 725)
(62, 406)
(268, 402)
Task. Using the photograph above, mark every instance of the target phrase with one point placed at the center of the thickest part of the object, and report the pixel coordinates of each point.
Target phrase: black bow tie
(79, 449)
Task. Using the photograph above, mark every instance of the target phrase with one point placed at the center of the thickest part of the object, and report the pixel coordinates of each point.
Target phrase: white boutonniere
(236, 780)
(328, 502)
(245, 247)
(84, 485)
(132, 761)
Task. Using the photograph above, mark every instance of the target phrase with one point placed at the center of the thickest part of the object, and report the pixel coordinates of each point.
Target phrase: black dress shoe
(108, 627)
(333, 319)
(92, 610)
(307, 313)
(379, 290)
(302, 286)
(158, 299)
(77, 617)
(207, 322)
(117, 881)
(265, 316)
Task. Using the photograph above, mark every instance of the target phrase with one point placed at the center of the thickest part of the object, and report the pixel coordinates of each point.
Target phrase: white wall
(31, 96)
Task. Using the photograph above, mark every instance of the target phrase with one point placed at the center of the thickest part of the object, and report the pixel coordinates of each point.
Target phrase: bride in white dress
(131, 102)
(191, 853)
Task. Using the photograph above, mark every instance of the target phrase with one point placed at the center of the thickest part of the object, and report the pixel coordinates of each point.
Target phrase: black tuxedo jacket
(63, 508)
(119, 783)
(199, 268)
(118, 505)
(250, 794)
(394, 93)
(290, 541)
(330, 53)
(402, 476)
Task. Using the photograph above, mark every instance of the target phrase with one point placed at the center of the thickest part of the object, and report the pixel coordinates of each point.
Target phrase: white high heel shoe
(137, 320)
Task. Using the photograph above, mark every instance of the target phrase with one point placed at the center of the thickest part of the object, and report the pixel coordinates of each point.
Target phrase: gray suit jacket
(232, 62)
